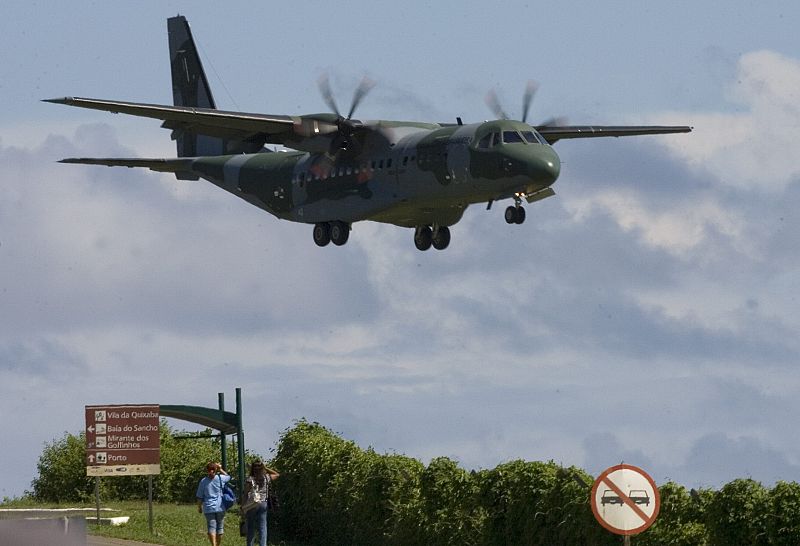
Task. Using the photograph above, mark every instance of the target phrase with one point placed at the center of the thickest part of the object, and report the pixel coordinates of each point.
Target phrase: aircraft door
(458, 162)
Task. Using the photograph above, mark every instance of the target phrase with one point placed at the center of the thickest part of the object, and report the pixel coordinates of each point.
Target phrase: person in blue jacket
(209, 501)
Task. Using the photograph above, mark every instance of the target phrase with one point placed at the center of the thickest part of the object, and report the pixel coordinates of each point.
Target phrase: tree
(62, 471)
(738, 514)
(62, 476)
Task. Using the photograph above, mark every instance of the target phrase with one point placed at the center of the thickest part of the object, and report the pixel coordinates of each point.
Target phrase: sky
(646, 314)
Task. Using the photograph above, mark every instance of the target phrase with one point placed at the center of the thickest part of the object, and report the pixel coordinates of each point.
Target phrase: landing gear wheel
(423, 238)
(340, 232)
(511, 215)
(515, 215)
(322, 233)
(441, 238)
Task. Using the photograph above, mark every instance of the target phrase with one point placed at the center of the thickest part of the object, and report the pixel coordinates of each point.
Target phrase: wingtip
(60, 100)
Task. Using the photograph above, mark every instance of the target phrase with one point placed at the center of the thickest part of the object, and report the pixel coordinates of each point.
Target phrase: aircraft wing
(553, 133)
(204, 121)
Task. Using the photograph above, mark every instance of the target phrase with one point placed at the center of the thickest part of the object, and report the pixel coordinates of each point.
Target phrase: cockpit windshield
(491, 140)
(533, 137)
(510, 137)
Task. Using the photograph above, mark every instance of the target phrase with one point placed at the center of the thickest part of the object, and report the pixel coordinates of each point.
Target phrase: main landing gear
(425, 236)
(336, 232)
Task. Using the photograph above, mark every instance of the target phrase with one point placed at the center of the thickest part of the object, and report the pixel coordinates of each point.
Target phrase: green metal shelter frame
(225, 422)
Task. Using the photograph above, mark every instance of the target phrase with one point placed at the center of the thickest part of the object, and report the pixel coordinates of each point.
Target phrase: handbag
(272, 499)
(228, 495)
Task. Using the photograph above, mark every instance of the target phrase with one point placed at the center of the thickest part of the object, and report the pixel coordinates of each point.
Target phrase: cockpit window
(533, 137)
(511, 137)
(485, 142)
(495, 139)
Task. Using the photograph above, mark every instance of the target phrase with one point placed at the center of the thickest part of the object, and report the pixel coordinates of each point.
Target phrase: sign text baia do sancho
(122, 440)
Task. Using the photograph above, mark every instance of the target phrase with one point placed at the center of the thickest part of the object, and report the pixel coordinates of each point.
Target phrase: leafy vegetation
(333, 492)
(62, 475)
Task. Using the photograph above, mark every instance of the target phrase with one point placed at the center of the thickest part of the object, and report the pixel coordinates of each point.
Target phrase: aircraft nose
(546, 168)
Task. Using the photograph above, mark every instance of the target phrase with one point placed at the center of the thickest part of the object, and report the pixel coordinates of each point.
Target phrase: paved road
(92, 540)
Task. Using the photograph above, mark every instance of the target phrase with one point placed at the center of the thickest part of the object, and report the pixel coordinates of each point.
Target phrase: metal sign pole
(97, 496)
(150, 502)
(223, 440)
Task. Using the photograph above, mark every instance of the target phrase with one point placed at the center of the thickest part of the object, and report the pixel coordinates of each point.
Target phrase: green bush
(333, 492)
(62, 471)
(738, 514)
(62, 477)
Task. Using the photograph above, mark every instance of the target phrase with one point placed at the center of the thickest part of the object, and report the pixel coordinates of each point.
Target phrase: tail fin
(190, 88)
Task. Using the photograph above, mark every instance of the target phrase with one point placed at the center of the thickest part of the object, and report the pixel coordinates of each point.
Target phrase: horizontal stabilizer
(218, 123)
(160, 165)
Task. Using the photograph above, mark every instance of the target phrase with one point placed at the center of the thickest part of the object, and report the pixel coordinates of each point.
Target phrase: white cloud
(754, 148)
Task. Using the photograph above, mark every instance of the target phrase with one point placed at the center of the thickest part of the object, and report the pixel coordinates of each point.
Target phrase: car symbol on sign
(639, 496)
(609, 497)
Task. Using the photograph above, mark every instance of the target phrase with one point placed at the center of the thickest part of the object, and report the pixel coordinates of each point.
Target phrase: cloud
(750, 148)
(645, 313)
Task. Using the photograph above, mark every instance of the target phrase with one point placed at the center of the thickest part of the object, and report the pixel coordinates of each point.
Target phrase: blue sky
(647, 314)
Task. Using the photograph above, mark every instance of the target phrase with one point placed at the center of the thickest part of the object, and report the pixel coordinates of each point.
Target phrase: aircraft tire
(520, 216)
(441, 238)
(423, 238)
(511, 215)
(340, 232)
(322, 233)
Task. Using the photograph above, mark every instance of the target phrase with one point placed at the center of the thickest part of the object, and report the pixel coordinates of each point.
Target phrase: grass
(173, 524)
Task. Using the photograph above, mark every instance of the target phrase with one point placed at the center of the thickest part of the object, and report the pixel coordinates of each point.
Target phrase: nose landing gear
(515, 214)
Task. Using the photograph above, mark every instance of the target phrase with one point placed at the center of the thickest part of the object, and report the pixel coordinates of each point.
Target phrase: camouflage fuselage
(407, 174)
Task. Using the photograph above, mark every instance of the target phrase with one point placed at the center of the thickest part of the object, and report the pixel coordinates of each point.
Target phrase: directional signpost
(625, 500)
(122, 440)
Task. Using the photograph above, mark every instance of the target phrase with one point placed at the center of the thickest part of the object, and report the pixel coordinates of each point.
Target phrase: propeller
(531, 87)
(346, 126)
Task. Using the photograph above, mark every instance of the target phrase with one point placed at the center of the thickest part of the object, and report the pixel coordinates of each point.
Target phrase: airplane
(342, 170)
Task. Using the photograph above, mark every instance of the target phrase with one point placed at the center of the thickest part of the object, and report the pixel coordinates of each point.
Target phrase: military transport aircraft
(343, 170)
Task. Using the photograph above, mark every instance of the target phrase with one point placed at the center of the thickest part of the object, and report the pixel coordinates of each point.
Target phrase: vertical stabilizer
(189, 88)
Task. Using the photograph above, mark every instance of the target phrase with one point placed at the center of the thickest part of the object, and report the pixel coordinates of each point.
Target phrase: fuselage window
(389, 163)
(485, 142)
(510, 137)
(405, 160)
(380, 164)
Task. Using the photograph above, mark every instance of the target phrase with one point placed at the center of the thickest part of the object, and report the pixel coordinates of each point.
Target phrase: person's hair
(211, 465)
(257, 468)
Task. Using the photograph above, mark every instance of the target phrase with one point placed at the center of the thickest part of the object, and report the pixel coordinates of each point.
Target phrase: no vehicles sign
(625, 500)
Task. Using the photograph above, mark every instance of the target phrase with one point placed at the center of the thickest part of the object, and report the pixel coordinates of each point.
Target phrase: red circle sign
(625, 499)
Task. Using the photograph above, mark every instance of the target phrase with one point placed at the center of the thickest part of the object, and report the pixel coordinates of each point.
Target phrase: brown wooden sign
(123, 440)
